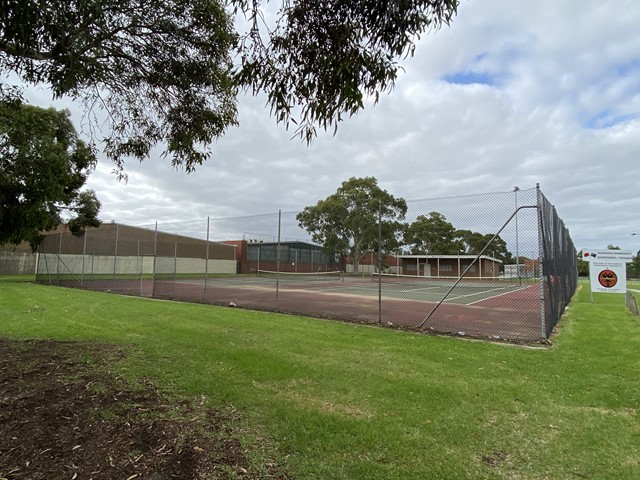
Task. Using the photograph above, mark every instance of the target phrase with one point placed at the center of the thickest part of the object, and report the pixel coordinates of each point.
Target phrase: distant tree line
(351, 222)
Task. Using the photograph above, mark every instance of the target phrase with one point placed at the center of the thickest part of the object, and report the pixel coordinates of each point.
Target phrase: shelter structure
(448, 265)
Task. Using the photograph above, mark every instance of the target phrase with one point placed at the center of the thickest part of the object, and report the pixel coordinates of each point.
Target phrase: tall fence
(498, 265)
(16, 260)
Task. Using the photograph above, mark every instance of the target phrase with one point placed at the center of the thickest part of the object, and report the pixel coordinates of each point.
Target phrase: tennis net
(300, 276)
(475, 283)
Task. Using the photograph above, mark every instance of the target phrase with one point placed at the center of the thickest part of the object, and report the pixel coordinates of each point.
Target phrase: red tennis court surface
(511, 315)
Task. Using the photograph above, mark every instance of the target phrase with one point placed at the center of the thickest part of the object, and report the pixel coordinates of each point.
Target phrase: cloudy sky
(512, 93)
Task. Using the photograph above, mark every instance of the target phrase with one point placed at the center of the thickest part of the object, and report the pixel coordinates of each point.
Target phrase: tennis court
(404, 287)
(480, 308)
(466, 292)
(494, 309)
(517, 265)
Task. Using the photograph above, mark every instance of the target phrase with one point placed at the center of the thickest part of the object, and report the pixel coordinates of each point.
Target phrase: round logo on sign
(608, 278)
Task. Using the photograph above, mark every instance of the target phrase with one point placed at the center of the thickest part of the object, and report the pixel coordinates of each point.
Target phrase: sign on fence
(607, 269)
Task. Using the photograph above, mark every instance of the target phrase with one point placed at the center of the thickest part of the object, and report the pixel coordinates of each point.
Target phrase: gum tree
(432, 234)
(43, 167)
(167, 72)
(346, 222)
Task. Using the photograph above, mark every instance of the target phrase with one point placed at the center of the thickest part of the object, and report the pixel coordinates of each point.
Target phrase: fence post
(140, 265)
(175, 262)
(115, 257)
(516, 189)
(59, 259)
(379, 262)
(84, 252)
(155, 256)
(278, 258)
(206, 262)
(93, 254)
(541, 259)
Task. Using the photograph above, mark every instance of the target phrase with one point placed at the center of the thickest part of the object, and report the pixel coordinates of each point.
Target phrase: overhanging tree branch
(316, 62)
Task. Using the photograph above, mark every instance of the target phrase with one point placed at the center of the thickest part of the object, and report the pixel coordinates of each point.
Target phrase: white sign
(607, 276)
(624, 256)
(607, 269)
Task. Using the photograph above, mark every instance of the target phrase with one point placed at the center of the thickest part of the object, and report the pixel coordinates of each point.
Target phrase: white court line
(480, 293)
(353, 286)
(421, 289)
(499, 295)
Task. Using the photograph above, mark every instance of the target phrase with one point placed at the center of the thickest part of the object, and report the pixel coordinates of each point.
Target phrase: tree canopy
(435, 235)
(43, 166)
(168, 71)
(346, 222)
(474, 242)
(432, 234)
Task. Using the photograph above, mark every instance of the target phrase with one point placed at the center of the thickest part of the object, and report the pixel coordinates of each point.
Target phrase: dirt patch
(64, 415)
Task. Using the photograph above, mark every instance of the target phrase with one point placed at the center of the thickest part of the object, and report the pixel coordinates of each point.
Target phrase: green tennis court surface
(428, 289)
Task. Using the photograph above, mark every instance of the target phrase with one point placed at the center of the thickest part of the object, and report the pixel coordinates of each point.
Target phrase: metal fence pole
(140, 265)
(37, 272)
(84, 252)
(115, 257)
(278, 258)
(93, 254)
(206, 261)
(541, 260)
(175, 262)
(379, 262)
(516, 189)
(155, 257)
(59, 258)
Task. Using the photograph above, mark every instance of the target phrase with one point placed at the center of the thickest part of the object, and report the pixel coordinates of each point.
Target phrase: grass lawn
(342, 401)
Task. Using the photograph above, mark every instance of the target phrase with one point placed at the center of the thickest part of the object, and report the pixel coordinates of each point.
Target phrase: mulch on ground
(64, 415)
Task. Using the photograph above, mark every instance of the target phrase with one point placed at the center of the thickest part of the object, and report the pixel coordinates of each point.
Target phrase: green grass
(345, 401)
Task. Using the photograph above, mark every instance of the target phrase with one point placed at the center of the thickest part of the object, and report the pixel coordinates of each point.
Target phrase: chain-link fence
(15, 260)
(498, 265)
